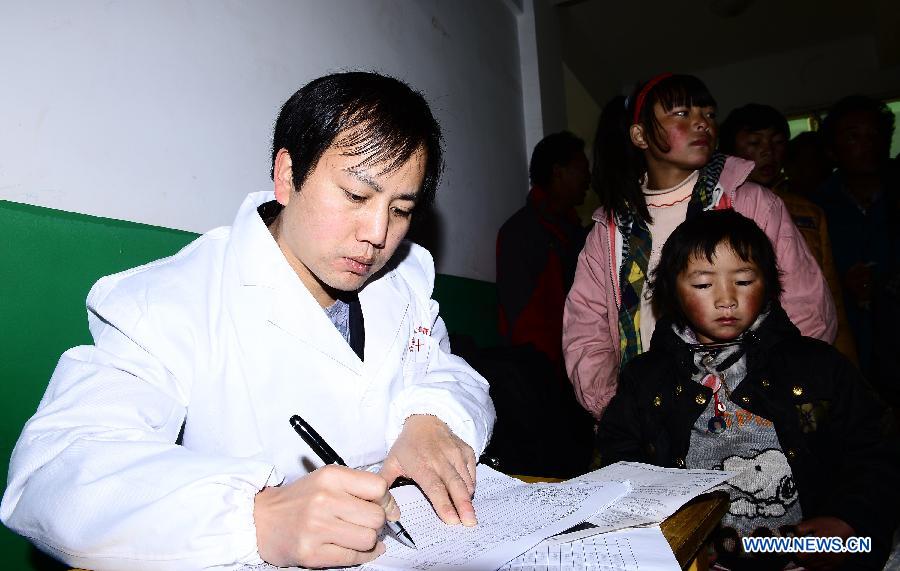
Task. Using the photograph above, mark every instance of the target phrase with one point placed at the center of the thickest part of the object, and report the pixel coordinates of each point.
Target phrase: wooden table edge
(687, 529)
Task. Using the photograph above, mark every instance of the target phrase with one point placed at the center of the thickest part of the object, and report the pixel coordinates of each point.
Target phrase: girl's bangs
(683, 91)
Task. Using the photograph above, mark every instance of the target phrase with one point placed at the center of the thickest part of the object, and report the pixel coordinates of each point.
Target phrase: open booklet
(512, 518)
(612, 539)
(656, 493)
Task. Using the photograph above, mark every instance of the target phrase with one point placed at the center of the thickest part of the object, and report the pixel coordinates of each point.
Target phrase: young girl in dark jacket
(729, 383)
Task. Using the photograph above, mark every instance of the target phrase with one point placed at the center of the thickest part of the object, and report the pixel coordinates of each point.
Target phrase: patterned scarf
(636, 244)
(722, 359)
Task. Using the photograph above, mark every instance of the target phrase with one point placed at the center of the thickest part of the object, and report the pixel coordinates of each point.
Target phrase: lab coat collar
(279, 295)
(383, 319)
(284, 300)
(260, 261)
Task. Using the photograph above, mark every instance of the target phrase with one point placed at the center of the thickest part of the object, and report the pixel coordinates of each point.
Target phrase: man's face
(573, 180)
(764, 147)
(858, 146)
(346, 221)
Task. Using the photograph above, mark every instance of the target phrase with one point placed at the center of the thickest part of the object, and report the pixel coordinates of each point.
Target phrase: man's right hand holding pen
(333, 516)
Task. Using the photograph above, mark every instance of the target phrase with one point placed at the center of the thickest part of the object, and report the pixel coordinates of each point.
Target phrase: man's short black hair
(556, 149)
(750, 117)
(699, 236)
(883, 115)
(378, 118)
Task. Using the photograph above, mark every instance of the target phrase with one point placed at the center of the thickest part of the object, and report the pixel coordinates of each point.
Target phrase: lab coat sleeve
(436, 381)
(96, 478)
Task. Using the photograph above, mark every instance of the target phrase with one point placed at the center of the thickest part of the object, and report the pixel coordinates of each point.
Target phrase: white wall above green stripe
(161, 111)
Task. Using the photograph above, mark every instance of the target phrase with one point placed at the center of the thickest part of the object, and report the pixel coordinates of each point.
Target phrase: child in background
(809, 438)
(760, 133)
(654, 166)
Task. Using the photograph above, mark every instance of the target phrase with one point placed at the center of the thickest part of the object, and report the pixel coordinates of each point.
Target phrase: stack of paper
(641, 548)
(512, 517)
(656, 494)
(616, 542)
(520, 526)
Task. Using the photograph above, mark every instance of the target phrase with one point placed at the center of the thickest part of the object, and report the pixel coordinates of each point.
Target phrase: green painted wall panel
(48, 261)
(468, 307)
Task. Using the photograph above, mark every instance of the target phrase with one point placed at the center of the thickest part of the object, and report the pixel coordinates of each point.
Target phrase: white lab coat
(223, 338)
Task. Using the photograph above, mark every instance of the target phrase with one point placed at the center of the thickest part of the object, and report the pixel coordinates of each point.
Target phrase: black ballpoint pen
(327, 454)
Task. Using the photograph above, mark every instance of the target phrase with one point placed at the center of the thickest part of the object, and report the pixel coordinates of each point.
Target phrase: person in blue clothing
(860, 204)
(729, 383)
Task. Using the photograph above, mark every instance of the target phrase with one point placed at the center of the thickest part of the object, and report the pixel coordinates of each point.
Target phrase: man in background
(537, 250)
(538, 247)
(860, 202)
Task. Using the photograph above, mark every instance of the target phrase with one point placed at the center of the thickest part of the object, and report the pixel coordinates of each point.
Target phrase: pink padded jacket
(590, 321)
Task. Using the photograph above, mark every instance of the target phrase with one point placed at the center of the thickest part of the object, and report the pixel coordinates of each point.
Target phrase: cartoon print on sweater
(764, 486)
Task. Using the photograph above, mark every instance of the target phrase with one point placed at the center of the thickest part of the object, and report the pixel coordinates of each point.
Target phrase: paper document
(635, 549)
(512, 516)
(656, 494)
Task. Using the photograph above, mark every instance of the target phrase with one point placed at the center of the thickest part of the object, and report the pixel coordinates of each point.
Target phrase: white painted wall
(540, 54)
(161, 111)
(581, 110)
(583, 113)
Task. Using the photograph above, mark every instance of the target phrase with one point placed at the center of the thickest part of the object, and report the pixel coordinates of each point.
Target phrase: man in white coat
(166, 444)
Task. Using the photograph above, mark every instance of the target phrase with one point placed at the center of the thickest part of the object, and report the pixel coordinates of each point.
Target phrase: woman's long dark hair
(618, 164)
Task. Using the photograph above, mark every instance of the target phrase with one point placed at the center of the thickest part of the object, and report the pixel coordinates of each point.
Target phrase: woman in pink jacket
(654, 167)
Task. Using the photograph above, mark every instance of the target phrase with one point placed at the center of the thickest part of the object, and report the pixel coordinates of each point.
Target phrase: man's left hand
(443, 466)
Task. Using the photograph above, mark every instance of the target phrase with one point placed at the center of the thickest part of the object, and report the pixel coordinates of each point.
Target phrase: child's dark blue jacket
(839, 438)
